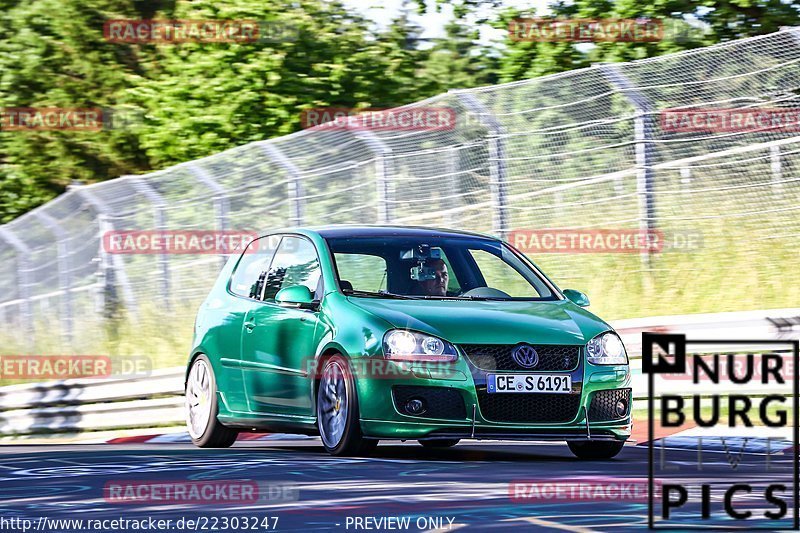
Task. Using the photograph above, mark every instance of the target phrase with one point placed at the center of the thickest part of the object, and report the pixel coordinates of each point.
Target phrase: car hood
(489, 322)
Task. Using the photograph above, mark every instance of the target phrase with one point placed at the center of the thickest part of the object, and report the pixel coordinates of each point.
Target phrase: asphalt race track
(466, 487)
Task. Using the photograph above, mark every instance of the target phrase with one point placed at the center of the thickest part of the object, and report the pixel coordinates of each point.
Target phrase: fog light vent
(607, 405)
(429, 402)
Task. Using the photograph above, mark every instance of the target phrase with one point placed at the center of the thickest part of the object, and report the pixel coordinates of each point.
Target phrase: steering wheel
(487, 292)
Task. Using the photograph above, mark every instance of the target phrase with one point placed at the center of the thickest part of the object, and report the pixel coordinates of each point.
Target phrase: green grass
(162, 336)
(736, 269)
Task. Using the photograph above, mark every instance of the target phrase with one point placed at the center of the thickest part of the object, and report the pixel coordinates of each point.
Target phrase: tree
(52, 54)
(192, 99)
(687, 25)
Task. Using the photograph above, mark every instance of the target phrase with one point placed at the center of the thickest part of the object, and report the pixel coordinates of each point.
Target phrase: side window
(295, 263)
(364, 272)
(500, 275)
(252, 264)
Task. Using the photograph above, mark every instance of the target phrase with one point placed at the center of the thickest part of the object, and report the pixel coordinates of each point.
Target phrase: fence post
(109, 296)
(160, 220)
(64, 275)
(295, 186)
(777, 169)
(221, 204)
(498, 181)
(451, 218)
(23, 282)
(644, 134)
(112, 267)
(383, 171)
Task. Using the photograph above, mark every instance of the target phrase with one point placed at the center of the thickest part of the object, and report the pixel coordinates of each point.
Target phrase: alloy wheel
(198, 399)
(333, 404)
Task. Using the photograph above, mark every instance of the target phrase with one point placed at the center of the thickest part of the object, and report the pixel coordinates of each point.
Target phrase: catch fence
(698, 147)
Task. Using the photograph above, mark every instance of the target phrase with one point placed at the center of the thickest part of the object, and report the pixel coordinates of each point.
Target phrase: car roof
(346, 230)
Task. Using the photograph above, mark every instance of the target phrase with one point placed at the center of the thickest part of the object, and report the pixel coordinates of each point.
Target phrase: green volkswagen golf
(365, 333)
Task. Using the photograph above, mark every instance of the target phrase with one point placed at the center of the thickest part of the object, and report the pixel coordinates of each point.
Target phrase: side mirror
(296, 296)
(577, 297)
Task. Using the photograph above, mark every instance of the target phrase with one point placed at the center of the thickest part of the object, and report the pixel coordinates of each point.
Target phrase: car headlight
(410, 345)
(606, 349)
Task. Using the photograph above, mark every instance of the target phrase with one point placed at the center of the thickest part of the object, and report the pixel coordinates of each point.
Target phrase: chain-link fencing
(699, 147)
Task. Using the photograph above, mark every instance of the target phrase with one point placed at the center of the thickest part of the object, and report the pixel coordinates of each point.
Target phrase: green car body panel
(264, 356)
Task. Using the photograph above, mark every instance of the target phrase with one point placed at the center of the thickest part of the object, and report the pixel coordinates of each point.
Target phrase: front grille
(552, 357)
(604, 402)
(439, 402)
(533, 408)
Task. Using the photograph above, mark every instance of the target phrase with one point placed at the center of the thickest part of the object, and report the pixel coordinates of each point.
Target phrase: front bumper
(516, 416)
(447, 430)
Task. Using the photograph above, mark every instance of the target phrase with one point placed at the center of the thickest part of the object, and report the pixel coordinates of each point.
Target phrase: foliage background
(192, 100)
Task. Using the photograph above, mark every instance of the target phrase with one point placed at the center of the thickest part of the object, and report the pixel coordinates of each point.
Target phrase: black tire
(215, 435)
(439, 443)
(595, 450)
(352, 441)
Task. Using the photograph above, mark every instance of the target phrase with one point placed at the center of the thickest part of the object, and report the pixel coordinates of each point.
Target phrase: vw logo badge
(525, 356)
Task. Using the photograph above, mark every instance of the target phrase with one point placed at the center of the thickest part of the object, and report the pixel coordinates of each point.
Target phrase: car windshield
(434, 268)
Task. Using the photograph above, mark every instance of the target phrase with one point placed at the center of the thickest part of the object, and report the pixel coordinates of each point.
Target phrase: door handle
(249, 326)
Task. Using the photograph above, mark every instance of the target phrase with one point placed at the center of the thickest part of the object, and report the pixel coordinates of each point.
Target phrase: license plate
(528, 383)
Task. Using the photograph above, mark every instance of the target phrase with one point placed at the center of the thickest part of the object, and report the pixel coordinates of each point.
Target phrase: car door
(279, 343)
(231, 313)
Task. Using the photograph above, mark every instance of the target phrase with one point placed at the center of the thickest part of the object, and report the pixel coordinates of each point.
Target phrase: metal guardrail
(84, 405)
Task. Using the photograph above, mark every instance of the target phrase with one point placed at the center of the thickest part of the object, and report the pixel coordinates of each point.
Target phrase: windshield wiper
(386, 294)
(395, 295)
(379, 294)
(473, 298)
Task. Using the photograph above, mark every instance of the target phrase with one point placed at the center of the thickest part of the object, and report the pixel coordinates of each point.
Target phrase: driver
(438, 285)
